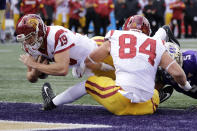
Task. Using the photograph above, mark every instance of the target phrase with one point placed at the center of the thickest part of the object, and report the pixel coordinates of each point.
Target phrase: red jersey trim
(112, 32)
(65, 48)
(57, 34)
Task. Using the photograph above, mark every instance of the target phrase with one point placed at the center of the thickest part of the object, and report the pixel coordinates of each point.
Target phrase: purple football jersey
(190, 66)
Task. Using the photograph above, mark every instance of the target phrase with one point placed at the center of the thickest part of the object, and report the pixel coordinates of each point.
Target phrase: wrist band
(187, 86)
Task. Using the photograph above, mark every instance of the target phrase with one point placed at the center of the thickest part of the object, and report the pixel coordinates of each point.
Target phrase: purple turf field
(163, 119)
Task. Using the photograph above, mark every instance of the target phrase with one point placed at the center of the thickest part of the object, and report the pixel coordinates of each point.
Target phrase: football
(43, 75)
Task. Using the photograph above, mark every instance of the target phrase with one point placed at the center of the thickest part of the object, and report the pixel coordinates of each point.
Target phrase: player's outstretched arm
(173, 68)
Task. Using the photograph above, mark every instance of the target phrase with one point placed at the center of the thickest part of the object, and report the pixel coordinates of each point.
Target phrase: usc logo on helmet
(33, 22)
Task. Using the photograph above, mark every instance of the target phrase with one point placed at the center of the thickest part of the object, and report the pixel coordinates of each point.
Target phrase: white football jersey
(60, 39)
(136, 57)
(168, 2)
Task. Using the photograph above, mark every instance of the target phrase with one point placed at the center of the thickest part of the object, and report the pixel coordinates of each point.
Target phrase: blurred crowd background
(96, 17)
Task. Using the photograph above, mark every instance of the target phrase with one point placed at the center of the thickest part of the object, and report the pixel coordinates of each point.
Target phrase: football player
(136, 57)
(56, 43)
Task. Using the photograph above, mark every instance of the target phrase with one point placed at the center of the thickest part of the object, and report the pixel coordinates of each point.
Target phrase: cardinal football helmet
(30, 31)
(175, 52)
(137, 22)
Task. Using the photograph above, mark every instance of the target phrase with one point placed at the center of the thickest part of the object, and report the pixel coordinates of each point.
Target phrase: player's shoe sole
(165, 93)
(47, 95)
(171, 37)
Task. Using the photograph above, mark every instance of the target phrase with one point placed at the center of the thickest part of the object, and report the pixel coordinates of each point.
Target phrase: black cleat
(48, 95)
(171, 37)
(165, 93)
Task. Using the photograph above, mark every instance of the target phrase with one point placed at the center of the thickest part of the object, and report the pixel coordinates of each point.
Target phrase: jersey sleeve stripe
(64, 48)
(112, 32)
(59, 32)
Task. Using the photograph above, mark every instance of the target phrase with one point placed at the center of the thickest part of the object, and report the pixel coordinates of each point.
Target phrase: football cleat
(48, 95)
(171, 37)
(165, 93)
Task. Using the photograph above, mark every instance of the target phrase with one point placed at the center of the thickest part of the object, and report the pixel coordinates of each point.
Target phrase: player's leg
(58, 20)
(16, 18)
(69, 95)
(2, 31)
(66, 24)
(166, 34)
(2, 12)
(165, 92)
(168, 18)
(104, 91)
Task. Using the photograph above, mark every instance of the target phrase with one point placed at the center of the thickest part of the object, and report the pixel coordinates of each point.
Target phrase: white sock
(71, 94)
(2, 35)
(161, 33)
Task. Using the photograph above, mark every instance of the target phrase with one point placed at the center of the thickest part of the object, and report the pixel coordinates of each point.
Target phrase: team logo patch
(33, 22)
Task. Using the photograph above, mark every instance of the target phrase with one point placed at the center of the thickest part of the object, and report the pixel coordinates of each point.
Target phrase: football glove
(79, 70)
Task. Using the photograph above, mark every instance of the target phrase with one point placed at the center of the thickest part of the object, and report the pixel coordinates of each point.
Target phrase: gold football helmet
(175, 52)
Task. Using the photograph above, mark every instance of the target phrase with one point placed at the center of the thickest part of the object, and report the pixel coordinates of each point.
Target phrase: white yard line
(34, 126)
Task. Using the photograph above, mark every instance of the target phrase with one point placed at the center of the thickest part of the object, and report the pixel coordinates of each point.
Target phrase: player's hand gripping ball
(43, 60)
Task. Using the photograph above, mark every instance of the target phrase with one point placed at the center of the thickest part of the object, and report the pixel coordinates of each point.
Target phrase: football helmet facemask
(139, 23)
(30, 31)
(175, 52)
